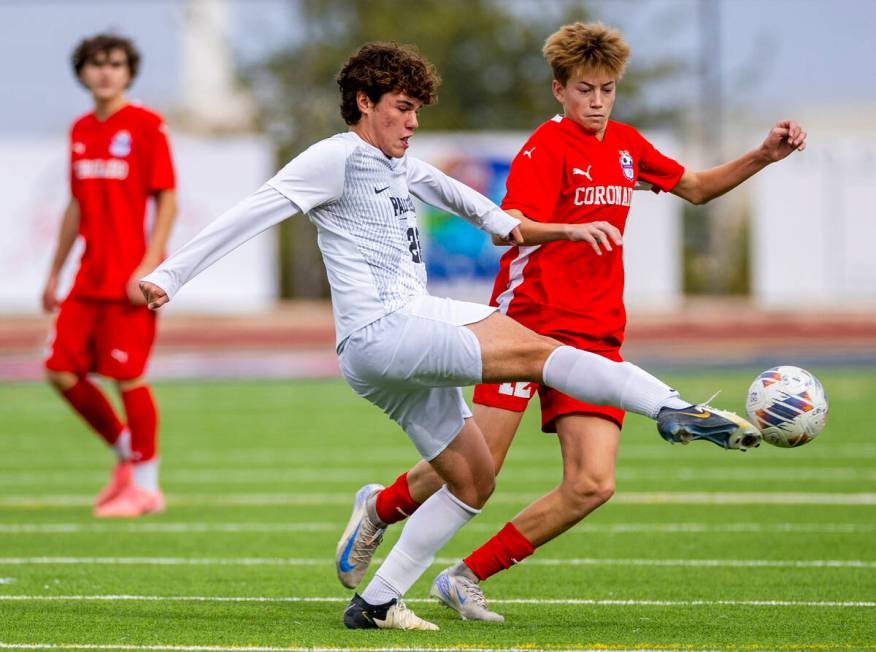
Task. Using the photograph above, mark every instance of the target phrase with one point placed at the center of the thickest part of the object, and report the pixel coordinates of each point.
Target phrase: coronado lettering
(604, 195)
(98, 168)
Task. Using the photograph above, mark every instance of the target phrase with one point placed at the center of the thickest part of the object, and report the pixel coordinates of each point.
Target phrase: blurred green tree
(488, 53)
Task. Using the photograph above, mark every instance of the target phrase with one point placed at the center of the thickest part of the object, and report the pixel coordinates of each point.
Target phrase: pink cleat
(120, 478)
(133, 501)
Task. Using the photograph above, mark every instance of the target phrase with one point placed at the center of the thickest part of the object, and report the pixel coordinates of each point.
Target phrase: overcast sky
(775, 54)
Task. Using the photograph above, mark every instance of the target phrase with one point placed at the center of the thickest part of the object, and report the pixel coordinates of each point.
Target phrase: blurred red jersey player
(119, 158)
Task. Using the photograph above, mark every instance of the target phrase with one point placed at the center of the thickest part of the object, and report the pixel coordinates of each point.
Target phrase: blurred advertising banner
(212, 175)
(462, 261)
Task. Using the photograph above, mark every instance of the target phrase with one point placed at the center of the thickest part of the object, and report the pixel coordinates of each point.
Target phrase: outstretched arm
(599, 235)
(428, 184)
(700, 187)
(247, 219)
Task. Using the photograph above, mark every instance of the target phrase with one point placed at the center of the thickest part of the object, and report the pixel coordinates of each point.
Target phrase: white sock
(122, 446)
(593, 379)
(145, 475)
(424, 534)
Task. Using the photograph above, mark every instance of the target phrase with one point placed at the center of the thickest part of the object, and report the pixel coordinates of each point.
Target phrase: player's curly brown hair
(385, 67)
(588, 46)
(89, 48)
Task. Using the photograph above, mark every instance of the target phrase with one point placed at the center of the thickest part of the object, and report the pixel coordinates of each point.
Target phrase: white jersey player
(402, 349)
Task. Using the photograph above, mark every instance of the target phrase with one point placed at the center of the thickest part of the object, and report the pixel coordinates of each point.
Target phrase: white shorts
(412, 363)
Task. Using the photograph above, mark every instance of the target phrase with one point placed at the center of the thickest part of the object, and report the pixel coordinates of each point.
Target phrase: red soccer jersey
(115, 165)
(564, 174)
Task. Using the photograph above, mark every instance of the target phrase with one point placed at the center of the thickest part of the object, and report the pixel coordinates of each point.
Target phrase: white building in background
(210, 100)
(813, 217)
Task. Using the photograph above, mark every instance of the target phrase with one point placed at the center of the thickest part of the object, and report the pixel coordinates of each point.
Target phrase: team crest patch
(120, 145)
(626, 162)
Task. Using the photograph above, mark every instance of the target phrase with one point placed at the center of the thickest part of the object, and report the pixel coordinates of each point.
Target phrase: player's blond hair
(586, 46)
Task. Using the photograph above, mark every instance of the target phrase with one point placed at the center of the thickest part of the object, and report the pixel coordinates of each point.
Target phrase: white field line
(533, 561)
(344, 498)
(263, 648)
(328, 526)
(843, 604)
(403, 454)
(344, 476)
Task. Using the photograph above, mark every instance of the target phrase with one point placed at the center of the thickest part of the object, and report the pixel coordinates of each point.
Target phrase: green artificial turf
(700, 548)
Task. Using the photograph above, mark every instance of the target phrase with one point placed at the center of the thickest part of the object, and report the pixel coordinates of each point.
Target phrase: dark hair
(89, 48)
(377, 68)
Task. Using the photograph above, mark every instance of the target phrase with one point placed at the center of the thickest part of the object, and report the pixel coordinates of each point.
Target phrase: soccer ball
(788, 405)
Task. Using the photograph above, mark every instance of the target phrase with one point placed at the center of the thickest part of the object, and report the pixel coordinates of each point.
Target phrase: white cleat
(398, 616)
(359, 541)
(456, 588)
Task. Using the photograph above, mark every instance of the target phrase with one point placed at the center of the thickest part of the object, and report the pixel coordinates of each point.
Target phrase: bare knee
(535, 353)
(475, 493)
(128, 385)
(61, 380)
(587, 492)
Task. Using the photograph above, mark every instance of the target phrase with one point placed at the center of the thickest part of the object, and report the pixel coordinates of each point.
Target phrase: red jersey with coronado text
(115, 165)
(564, 174)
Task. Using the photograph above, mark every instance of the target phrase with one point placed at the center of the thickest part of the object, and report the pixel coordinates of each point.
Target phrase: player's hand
(514, 237)
(135, 296)
(153, 296)
(50, 294)
(786, 137)
(600, 235)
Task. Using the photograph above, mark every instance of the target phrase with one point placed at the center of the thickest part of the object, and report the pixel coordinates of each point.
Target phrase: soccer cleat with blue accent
(457, 588)
(391, 615)
(359, 541)
(722, 428)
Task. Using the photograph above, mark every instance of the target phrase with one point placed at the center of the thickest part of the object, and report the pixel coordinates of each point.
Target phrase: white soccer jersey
(360, 201)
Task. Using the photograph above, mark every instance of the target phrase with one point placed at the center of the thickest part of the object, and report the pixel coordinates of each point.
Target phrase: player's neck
(598, 135)
(103, 109)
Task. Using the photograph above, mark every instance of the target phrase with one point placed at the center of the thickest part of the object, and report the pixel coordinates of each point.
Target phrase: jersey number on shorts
(414, 244)
(520, 390)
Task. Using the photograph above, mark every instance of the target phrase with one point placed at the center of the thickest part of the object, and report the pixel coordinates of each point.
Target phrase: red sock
(505, 549)
(142, 422)
(92, 406)
(395, 503)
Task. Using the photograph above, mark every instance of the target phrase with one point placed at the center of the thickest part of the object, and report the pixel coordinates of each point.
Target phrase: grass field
(700, 548)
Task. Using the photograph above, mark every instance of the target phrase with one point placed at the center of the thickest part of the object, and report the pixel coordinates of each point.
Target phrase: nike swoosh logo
(698, 415)
(377, 191)
(460, 597)
(345, 565)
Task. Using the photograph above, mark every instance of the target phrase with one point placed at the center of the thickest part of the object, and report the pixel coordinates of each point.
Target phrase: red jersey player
(119, 158)
(578, 168)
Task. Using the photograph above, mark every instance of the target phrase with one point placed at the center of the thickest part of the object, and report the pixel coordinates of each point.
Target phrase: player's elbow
(698, 198)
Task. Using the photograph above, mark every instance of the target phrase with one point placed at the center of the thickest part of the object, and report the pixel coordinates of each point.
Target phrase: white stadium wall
(212, 175)
(814, 227)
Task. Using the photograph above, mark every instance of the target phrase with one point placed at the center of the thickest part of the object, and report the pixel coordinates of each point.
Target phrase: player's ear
(363, 102)
(558, 90)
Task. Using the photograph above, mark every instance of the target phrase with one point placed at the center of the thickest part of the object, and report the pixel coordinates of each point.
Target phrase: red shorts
(515, 397)
(112, 339)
